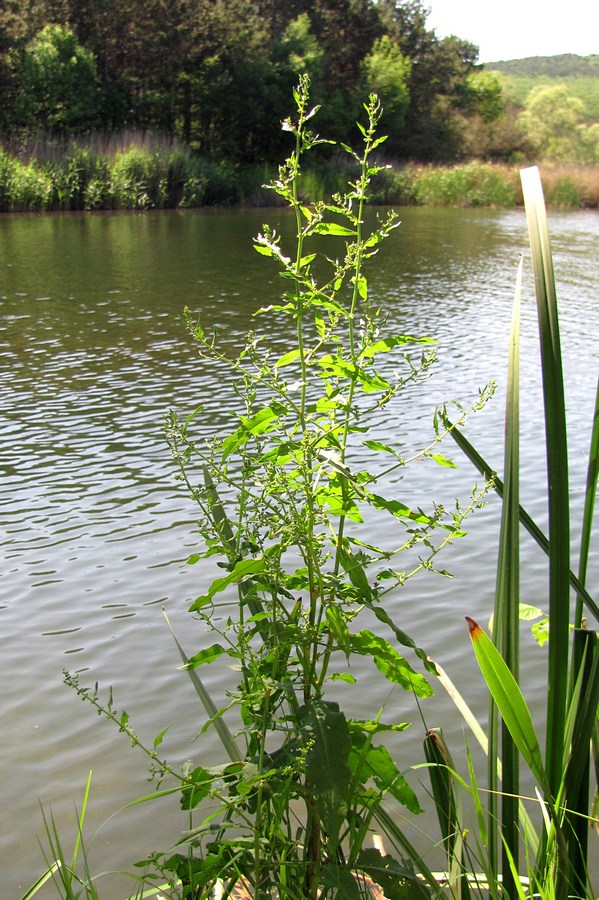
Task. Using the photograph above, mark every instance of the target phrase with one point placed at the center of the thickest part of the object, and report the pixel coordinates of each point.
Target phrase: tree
(230, 106)
(386, 72)
(58, 82)
(551, 120)
(437, 82)
(485, 97)
(346, 29)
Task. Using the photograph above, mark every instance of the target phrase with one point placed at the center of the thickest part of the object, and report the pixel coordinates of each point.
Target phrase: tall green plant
(287, 499)
(286, 508)
(562, 773)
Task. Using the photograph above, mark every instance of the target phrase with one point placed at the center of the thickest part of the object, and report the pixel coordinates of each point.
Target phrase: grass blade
(589, 505)
(448, 807)
(527, 521)
(557, 474)
(227, 739)
(507, 603)
(583, 715)
(42, 880)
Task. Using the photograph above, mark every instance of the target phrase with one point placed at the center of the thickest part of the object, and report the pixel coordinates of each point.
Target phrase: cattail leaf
(509, 699)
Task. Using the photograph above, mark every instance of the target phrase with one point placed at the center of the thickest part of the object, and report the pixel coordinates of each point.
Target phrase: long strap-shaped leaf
(557, 474)
(509, 699)
(507, 601)
(227, 739)
(527, 521)
(589, 506)
(516, 716)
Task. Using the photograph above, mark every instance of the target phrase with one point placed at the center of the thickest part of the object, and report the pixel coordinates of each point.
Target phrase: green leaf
(159, 738)
(257, 424)
(263, 249)
(373, 726)
(370, 382)
(362, 286)
(404, 639)
(442, 783)
(557, 470)
(333, 228)
(343, 676)
(393, 666)
(386, 344)
(242, 570)
(441, 460)
(356, 573)
(528, 613)
(209, 655)
(326, 735)
(377, 445)
(337, 504)
(341, 881)
(397, 882)
(306, 260)
(377, 763)
(400, 510)
(338, 627)
(510, 702)
(287, 358)
(197, 786)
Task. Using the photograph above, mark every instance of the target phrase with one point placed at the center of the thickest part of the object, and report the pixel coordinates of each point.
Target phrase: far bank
(141, 176)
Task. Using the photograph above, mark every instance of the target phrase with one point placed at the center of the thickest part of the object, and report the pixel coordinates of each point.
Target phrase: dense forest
(153, 103)
(218, 74)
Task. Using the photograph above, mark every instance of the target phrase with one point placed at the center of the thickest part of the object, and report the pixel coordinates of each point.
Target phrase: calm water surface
(95, 530)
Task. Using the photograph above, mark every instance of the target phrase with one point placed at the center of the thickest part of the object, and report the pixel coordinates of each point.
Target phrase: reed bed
(137, 170)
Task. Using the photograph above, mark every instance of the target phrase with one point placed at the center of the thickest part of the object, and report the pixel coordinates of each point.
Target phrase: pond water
(95, 529)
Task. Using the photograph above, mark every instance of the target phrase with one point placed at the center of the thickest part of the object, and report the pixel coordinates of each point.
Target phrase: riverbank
(144, 177)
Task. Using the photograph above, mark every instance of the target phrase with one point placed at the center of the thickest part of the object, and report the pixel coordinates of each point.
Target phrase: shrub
(473, 184)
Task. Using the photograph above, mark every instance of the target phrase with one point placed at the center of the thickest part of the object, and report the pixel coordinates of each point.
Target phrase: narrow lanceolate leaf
(557, 472)
(333, 228)
(533, 529)
(441, 460)
(440, 774)
(389, 343)
(508, 697)
(589, 506)
(226, 738)
(206, 656)
(242, 570)
(506, 625)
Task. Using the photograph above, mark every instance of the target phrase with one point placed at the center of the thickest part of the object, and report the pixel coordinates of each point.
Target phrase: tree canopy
(218, 73)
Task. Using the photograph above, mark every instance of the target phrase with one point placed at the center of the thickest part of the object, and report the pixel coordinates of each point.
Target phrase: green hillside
(579, 74)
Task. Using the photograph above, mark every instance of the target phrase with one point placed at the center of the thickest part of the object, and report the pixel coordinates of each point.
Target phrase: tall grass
(557, 857)
(145, 171)
(111, 173)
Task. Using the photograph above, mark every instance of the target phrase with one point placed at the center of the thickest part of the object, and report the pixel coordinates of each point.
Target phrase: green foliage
(24, 187)
(552, 120)
(386, 73)
(474, 184)
(562, 65)
(216, 75)
(59, 82)
(561, 773)
(485, 91)
(285, 501)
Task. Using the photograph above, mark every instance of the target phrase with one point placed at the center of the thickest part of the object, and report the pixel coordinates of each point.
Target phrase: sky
(513, 29)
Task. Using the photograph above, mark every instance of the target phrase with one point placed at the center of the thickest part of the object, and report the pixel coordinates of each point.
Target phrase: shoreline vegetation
(144, 172)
